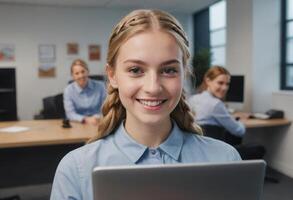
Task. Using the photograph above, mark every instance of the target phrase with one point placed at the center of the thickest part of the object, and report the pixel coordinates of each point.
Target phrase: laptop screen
(223, 181)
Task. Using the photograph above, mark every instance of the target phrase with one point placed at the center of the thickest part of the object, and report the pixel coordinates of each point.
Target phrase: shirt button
(153, 152)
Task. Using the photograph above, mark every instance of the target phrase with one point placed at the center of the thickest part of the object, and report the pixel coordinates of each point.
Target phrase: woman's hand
(241, 116)
(93, 120)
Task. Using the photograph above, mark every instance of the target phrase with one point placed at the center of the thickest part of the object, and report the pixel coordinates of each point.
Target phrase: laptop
(241, 180)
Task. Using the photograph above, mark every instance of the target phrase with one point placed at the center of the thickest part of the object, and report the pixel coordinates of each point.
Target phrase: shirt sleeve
(234, 155)
(190, 103)
(102, 91)
(223, 117)
(66, 184)
(104, 94)
(70, 110)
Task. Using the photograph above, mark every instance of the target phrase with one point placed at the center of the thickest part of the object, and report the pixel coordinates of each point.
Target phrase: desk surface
(50, 132)
(45, 132)
(260, 123)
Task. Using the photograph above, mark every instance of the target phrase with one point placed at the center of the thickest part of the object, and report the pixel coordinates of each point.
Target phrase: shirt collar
(88, 86)
(134, 151)
(127, 145)
(206, 92)
(173, 144)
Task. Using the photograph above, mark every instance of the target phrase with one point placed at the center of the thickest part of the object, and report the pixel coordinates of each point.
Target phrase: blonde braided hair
(184, 117)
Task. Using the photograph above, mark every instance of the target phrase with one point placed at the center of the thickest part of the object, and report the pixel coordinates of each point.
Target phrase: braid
(113, 114)
(185, 122)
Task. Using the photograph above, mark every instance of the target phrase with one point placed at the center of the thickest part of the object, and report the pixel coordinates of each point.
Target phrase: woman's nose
(153, 84)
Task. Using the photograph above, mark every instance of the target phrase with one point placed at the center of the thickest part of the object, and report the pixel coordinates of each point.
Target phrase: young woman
(211, 110)
(208, 104)
(145, 117)
(84, 97)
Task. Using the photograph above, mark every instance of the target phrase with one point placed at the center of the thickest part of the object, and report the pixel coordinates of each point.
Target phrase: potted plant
(200, 64)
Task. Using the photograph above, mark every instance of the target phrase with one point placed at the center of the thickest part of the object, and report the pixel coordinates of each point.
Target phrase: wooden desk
(45, 132)
(260, 123)
(31, 157)
(50, 132)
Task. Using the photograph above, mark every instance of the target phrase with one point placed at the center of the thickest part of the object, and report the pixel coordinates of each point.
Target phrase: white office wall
(239, 55)
(266, 53)
(28, 26)
(281, 141)
(253, 49)
(253, 32)
(266, 81)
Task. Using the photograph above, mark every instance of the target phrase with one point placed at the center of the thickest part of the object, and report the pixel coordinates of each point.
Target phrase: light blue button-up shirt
(80, 102)
(73, 176)
(212, 111)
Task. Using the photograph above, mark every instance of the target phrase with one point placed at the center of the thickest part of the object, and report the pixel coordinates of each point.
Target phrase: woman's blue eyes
(135, 70)
(170, 70)
(165, 71)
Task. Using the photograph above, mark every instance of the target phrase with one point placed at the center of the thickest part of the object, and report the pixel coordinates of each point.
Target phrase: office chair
(246, 151)
(59, 105)
(53, 107)
(97, 77)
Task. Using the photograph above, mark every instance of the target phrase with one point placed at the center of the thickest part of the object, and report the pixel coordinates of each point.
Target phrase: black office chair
(97, 77)
(60, 105)
(53, 107)
(246, 151)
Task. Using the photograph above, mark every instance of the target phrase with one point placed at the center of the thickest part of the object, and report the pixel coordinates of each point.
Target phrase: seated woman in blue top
(84, 97)
(208, 103)
(145, 118)
(211, 110)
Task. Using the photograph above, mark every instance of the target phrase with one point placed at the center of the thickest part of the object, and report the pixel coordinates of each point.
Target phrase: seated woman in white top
(209, 106)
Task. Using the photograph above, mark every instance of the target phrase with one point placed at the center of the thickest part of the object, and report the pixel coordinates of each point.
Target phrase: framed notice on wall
(72, 48)
(7, 53)
(47, 53)
(47, 59)
(94, 52)
(47, 70)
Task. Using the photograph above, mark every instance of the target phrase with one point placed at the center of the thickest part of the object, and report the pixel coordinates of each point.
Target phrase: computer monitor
(236, 89)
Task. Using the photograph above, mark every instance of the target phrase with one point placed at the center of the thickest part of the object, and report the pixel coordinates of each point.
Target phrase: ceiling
(185, 6)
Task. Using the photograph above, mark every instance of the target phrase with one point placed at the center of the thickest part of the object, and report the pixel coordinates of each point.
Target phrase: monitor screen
(236, 89)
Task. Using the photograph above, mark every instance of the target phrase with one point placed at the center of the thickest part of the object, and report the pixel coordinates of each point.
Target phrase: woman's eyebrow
(173, 61)
(134, 61)
(168, 62)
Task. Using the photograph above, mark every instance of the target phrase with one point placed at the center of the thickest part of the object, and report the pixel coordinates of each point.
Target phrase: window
(217, 29)
(287, 45)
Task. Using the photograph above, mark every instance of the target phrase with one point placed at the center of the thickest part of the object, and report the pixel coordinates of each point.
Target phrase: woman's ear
(111, 76)
(207, 81)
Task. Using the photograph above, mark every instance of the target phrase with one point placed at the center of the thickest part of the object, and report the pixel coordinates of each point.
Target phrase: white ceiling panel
(186, 6)
(83, 3)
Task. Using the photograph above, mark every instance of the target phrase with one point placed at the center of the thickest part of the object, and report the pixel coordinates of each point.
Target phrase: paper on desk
(14, 129)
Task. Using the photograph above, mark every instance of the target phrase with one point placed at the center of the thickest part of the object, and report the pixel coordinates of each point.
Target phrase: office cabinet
(8, 109)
